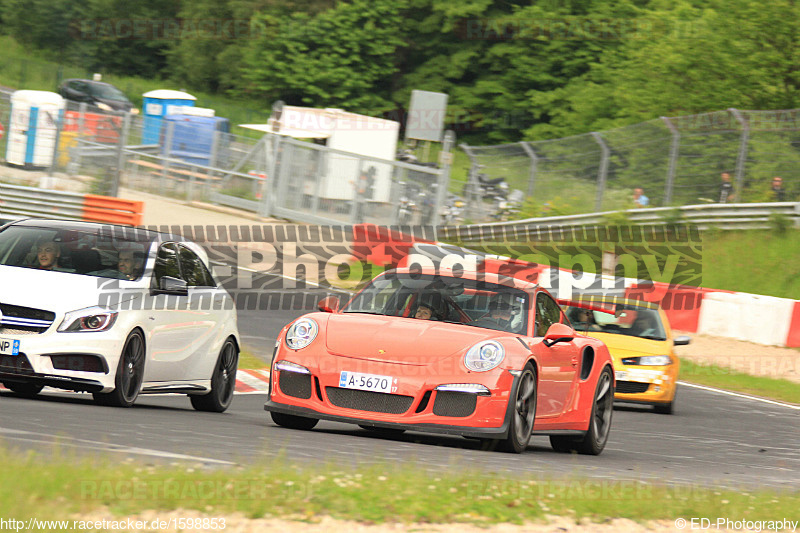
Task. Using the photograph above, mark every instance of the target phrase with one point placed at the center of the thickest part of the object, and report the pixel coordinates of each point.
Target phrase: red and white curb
(252, 381)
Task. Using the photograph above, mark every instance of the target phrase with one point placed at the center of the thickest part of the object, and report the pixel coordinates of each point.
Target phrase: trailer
(338, 176)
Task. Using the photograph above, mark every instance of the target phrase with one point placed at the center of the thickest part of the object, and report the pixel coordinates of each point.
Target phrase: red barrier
(681, 303)
(793, 338)
(112, 210)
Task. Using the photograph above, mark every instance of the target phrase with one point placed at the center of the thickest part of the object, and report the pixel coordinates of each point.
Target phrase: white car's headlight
(301, 333)
(88, 319)
(655, 360)
(484, 356)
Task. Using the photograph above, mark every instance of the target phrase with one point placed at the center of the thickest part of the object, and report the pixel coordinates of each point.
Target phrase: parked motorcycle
(453, 211)
(508, 208)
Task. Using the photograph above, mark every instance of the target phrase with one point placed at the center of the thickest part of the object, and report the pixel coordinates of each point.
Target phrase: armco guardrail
(19, 202)
(722, 216)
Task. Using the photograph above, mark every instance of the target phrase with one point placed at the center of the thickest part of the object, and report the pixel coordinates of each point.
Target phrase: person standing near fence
(778, 192)
(725, 189)
(639, 199)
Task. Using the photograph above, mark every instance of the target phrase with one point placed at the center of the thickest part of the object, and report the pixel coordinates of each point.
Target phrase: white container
(33, 129)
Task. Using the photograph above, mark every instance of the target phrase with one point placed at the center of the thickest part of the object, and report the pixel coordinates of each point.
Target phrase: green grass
(249, 360)
(758, 262)
(58, 486)
(728, 379)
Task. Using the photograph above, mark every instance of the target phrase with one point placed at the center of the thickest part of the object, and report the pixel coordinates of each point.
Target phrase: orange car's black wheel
(523, 413)
(593, 442)
(293, 422)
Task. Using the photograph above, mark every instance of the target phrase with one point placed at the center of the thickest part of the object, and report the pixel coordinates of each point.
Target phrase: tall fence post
(472, 189)
(674, 147)
(167, 154)
(212, 160)
(534, 164)
(270, 187)
(123, 141)
(742, 156)
(446, 161)
(603, 172)
(59, 129)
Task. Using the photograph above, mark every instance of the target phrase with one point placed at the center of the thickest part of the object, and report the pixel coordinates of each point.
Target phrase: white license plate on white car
(370, 382)
(9, 346)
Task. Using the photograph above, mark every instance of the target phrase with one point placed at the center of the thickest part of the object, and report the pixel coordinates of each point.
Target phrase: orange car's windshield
(448, 299)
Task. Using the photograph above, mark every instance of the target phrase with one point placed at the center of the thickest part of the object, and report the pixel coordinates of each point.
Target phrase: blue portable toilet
(193, 137)
(157, 105)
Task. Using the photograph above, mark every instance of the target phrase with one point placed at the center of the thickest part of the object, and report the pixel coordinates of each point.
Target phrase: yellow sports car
(641, 343)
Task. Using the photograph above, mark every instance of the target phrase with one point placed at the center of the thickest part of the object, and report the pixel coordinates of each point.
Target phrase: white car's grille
(19, 320)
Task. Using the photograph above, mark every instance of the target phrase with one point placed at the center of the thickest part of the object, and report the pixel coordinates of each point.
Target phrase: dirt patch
(748, 357)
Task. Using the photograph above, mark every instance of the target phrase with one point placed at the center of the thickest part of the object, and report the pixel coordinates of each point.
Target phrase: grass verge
(250, 361)
(57, 487)
(732, 380)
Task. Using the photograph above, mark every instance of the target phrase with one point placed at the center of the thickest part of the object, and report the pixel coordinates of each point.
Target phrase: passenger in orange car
(424, 312)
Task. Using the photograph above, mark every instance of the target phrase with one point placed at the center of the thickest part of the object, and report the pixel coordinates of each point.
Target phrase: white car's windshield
(101, 253)
(625, 320)
(447, 299)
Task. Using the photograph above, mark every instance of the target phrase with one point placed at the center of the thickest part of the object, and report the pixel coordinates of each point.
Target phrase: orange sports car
(453, 352)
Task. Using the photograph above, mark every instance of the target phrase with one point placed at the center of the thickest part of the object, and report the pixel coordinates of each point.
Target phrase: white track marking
(44, 438)
(740, 395)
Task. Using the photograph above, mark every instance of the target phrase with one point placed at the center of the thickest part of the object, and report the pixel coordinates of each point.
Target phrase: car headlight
(484, 356)
(655, 360)
(104, 106)
(301, 333)
(88, 319)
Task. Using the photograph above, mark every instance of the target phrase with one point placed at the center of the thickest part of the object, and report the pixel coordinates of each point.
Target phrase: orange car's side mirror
(329, 304)
(558, 333)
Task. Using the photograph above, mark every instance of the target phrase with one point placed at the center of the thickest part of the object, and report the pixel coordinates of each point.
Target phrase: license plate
(621, 375)
(370, 382)
(639, 375)
(9, 346)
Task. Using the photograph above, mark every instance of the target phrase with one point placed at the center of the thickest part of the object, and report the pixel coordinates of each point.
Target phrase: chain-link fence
(196, 158)
(676, 161)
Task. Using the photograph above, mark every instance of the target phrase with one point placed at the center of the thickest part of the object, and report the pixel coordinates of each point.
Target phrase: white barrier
(747, 317)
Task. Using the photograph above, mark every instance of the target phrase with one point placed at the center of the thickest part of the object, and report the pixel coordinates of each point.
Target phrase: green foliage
(342, 57)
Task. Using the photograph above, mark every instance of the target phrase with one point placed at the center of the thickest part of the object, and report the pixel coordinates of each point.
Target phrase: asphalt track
(713, 439)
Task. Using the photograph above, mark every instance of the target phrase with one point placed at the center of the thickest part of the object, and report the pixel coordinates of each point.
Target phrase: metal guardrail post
(674, 146)
(270, 187)
(534, 164)
(357, 215)
(741, 157)
(59, 128)
(123, 141)
(212, 159)
(167, 154)
(446, 161)
(79, 134)
(473, 197)
(603, 172)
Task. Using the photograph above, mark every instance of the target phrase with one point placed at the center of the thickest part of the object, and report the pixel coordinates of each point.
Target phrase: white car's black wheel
(28, 390)
(523, 415)
(223, 381)
(130, 372)
(293, 422)
(593, 442)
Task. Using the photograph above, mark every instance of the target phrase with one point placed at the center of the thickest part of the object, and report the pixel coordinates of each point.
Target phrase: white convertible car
(113, 311)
